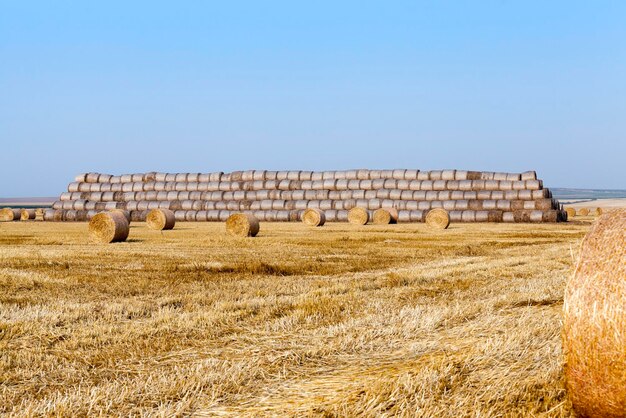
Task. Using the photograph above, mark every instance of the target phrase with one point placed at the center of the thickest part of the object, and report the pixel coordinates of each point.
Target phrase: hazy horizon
(497, 86)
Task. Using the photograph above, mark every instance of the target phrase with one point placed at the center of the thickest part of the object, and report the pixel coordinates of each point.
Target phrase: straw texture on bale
(571, 212)
(242, 225)
(385, 216)
(594, 327)
(28, 214)
(9, 214)
(597, 212)
(314, 217)
(358, 216)
(161, 219)
(108, 227)
(438, 218)
(583, 212)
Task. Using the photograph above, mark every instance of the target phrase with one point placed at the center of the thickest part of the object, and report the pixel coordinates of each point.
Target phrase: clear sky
(122, 87)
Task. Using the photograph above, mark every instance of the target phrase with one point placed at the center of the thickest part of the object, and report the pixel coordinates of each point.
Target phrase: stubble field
(390, 321)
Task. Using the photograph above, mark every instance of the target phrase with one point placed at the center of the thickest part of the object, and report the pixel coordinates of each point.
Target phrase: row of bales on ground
(283, 196)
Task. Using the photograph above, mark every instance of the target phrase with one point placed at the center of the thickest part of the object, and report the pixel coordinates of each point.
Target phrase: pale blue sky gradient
(124, 87)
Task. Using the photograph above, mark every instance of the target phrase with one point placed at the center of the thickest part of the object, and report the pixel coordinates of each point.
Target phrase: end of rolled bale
(385, 216)
(313, 217)
(594, 321)
(108, 227)
(571, 212)
(597, 212)
(242, 225)
(438, 218)
(161, 219)
(358, 216)
(10, 215)
(583, 212)
(28, 214)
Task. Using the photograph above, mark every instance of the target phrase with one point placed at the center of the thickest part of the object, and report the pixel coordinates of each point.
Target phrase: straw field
(344, 320)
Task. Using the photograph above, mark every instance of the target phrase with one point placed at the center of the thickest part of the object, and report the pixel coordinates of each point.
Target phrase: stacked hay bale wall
(468, 196)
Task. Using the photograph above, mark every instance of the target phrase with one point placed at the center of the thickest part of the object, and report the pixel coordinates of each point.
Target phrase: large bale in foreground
(594, 326)
(313, 217)
(358, 216)
(9, 214)
(161, 219)
(107, 227)
(242, 225)
(385, 216)
(438, 218)
(28, 214)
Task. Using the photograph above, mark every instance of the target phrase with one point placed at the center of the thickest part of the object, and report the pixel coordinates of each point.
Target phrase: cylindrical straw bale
(594, 321)
(448, 174)
(481, 216)
(108, 227)
(190, 215)
(358, 216)
(437, 218)
(313, 217)
(398, 174)
(597, 212)
(27, 214)
(571, 212)
(363, 174)
(161, 219)
(468, 216)
(455, 215)
(435, 175)
(179, 215)
(460, 175)
(508, 217)
(550, 216)
(494, 216)
(384, 216)
(242, 225)
(528, 175)
(583, 212)
(404, 216)
(533, 184)
(411, 174)
(10, 214)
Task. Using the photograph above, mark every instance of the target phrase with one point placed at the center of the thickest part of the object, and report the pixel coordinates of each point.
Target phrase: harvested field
(392, 320)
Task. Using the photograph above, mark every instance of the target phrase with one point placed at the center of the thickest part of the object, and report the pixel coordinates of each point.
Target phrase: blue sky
(124, 87)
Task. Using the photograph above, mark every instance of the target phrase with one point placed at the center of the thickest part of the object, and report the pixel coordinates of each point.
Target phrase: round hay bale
(358, 216)
(9, 215)
(438, 218)
(571, 212)
(125, 214)
(385, 216)
(242, 225)
(27, 214)
(597, 212)
(108, 227)
(161, 219)
(583, 212)
(594, 321)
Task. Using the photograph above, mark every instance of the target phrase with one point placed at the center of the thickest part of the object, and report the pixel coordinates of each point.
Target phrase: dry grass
(394, 320)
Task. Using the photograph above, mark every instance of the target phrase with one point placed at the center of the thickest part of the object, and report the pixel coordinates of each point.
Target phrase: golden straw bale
(597, 212)
(313, 217)
(28, 214)
(107, 227)
(594, 321)
(583, 212)
(161, 219)
(358, 216)
(571, 212)
(242, 225)
(384, 216)
(10, 214)
(438, 218)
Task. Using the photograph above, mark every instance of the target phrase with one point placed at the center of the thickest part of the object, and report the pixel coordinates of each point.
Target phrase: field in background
(336, 321)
